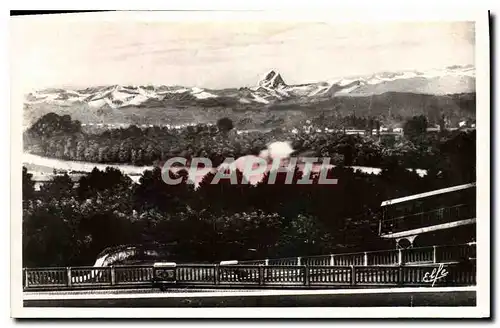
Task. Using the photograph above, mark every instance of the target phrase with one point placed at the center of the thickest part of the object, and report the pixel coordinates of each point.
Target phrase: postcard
(250, 164)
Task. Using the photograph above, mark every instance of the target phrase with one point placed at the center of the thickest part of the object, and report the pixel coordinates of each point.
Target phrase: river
(42, 167)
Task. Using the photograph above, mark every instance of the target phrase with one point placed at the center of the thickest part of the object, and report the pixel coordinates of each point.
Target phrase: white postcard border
(483, 181)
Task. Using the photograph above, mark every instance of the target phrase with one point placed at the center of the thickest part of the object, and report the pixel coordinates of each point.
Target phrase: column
(217, 274)
(68, 272)
(261, 275)
(26, 278)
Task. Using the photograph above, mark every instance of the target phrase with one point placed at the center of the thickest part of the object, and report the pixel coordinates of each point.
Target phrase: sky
(51, 53)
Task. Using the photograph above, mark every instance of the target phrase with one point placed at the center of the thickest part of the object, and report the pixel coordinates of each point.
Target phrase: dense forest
(61, 137)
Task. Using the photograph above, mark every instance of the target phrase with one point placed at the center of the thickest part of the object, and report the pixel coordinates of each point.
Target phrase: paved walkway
(424, 296)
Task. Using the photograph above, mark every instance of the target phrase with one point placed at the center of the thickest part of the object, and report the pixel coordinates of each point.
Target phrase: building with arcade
(444, 216)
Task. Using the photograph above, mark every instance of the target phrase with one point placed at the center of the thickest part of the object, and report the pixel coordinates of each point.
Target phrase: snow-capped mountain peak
(272, 80)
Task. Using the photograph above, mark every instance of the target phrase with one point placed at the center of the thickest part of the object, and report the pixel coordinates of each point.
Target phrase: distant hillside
(392, 103)
(391, 106)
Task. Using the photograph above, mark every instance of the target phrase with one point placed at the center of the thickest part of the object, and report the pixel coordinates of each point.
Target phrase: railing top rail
(237, 266)
(334, 267)
(139, 266)
(362, 253)
(197, 265)
(45, 268)
(273, 259)
(90, 268)
(316, 256)
(284, 258)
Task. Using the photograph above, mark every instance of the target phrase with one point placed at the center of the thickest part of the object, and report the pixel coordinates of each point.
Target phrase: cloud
(231, 54)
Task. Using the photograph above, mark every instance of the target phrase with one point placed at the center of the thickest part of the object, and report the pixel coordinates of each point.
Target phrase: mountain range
(271, 89)
(404, 92)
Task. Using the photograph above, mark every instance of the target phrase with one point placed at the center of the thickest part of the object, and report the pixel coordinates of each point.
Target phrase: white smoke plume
(277, 150)
(255, 167)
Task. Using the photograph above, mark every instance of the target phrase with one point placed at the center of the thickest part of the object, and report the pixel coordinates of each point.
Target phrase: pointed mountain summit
(272, 80)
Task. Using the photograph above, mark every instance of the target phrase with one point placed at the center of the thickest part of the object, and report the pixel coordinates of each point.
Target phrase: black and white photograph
(182, 161)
